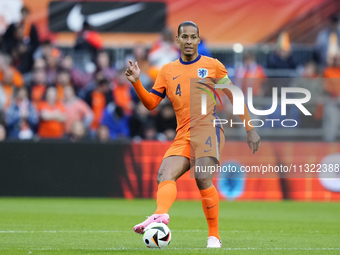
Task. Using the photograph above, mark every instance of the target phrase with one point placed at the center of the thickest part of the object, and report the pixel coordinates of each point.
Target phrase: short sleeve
(159, 88)
(221, 74)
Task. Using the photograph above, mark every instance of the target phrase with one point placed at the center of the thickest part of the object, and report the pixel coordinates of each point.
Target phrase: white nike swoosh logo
(75, 19)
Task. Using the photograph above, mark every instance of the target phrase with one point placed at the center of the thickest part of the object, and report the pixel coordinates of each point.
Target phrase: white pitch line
(57, 231)
(140, 249)
(122, 231)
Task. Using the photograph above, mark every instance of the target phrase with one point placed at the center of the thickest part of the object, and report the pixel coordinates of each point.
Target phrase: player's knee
(203, 183)
(161, 177)
(164, 176)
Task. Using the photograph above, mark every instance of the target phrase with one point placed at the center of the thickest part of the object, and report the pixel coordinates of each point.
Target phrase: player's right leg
(171, 169)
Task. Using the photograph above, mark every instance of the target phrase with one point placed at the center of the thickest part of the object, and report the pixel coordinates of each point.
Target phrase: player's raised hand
(132, 72)
(253, 140)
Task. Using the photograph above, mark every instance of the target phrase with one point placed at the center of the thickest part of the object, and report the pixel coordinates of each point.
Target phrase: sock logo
(211, 206)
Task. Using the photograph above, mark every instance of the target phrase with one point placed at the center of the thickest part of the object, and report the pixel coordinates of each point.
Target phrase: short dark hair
(187, 23)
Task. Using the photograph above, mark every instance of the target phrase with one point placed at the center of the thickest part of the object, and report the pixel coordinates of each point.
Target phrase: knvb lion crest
(202, 72)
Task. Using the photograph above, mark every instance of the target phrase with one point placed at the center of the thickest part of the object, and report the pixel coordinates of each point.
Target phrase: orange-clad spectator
(76, 110)
(39, 86)
(122, 92)
(250, 74)
(97, 99)
(88, 40)
(52, 116)
(10, 78)
(63, 80)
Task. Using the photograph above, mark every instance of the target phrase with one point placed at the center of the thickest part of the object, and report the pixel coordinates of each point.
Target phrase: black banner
(61, 169)
(129, 17)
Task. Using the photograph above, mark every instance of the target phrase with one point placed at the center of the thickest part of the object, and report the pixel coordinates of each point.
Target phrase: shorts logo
(202, 72)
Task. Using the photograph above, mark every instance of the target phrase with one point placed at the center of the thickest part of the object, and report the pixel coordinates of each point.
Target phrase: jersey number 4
(178, 90)
(208, 142)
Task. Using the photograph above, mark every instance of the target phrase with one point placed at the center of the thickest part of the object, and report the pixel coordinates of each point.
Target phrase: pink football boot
(164, 218)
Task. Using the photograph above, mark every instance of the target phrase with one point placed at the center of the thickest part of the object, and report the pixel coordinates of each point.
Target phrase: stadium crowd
(43, 95)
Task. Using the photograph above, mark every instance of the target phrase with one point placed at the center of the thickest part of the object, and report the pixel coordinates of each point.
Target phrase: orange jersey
(17, 79)
(183, 83)
(51, 128)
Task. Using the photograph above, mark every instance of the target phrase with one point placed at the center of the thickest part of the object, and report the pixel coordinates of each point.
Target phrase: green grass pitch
(104, 226)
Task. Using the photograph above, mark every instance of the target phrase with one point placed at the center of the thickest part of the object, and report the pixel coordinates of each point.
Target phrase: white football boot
(213, 242)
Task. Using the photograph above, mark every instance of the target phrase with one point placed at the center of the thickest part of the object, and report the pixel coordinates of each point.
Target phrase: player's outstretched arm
(149, 100)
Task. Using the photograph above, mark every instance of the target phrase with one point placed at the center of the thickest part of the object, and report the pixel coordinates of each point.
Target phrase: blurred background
(72, 125)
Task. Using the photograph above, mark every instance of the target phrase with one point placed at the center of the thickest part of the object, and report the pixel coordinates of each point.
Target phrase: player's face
(188, 39)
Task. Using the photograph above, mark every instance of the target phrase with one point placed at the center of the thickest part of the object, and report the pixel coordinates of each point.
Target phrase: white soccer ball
(157, 235)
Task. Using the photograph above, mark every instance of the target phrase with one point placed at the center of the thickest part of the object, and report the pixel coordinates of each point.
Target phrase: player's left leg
(207, 143)
(210, 200)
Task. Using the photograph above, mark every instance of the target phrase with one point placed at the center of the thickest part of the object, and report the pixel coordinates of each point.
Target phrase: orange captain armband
(149, 100)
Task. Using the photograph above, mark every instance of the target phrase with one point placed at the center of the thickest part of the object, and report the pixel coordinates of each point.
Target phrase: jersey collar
(191, 62)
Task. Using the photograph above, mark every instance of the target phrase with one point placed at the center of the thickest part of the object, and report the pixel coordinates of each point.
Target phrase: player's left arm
(253, 139)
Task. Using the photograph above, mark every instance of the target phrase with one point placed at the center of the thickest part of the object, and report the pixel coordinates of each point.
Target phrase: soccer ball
(157, 235)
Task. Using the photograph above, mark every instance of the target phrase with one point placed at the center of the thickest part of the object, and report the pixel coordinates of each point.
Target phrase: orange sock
(166, 196)
(210, 204)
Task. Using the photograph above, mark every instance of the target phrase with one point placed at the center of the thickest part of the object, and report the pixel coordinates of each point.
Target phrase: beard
(188, 55)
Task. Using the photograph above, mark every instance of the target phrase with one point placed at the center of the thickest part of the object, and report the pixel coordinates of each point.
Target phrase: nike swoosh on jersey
(211, 206)
(207, 150)
(176, 77)
(75, 18)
